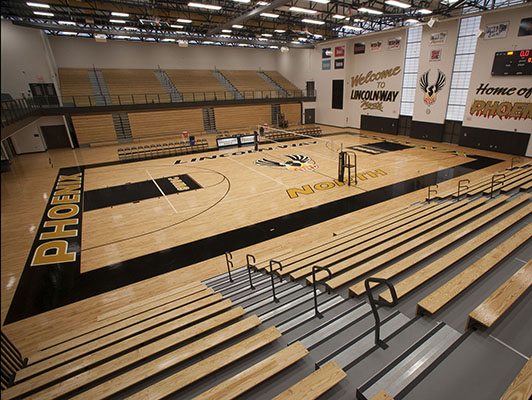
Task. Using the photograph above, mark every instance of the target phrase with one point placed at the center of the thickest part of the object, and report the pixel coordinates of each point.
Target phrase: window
(463, 65)
(338, 94)
(413, 47)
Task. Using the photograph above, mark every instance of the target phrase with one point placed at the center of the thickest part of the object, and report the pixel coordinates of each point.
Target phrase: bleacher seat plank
(368, 240)
(521, 387)
(412, 282)
(106, 353)
(526, 186)
(315, 384)
(283, 82)
(523, 181)
(382, 395)
(404, 264)
(208, 365)
(119, 335)
(120, 325)
(127, 312)
(131, 377)
(447, 292)
(251, 377)
(400, 235)
(491, 309)
(486, 186)
(376, 262)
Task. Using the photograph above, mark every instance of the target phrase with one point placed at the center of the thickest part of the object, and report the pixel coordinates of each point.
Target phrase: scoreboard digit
(516, 62)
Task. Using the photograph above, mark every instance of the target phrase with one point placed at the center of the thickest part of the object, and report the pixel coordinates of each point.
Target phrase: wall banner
(496, 31)
(360, 48)
(326, 64)
(394, 43)
(326, 53)
(438, 38)
(376, 45)
(339, 63)
(339, 51)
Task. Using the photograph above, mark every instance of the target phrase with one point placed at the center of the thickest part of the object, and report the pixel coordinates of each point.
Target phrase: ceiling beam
(247, 15)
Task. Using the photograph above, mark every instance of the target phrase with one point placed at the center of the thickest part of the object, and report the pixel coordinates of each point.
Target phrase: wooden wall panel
(94, 128)
(153, 123)
(292, 113)
(246, 117)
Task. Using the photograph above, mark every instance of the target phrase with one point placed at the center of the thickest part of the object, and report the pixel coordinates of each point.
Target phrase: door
(55, 136)
(310, 116)
(310, 88)
(44, 94)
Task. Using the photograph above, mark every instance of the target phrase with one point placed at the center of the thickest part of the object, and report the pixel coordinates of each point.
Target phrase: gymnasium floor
(147, 226)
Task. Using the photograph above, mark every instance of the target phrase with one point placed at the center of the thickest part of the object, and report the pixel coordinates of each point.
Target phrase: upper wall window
(413, 47)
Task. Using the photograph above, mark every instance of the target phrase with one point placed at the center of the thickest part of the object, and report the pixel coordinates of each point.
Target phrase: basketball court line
(160, 190)
(260, 173)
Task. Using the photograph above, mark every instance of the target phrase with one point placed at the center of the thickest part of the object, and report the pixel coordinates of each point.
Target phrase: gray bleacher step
(350, 352)
(223, 276)
(168, 86)
(244, 287)
(404, 370)
(269, 300)
(238, 281)
(228, 85)
(256, 293)
(332, 327)
(275, 85)
(288, 306)
(309, 314)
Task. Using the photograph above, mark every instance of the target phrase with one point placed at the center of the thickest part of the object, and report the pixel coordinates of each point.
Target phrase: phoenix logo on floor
(296, 162)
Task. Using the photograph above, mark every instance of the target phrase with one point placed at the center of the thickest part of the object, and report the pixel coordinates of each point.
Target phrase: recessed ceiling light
(117, 21)
(39, 5)
(303, 10)
(238, 26)
(207, 6)
(312, 21)
(184, 21)
(46, 14)
(119, 14)
(369, 11)
(424, 11)
(176, 26)
(66, 23)
(280, 31)
(269, 15)
(396, 3)
(68, 33)
(338, 16)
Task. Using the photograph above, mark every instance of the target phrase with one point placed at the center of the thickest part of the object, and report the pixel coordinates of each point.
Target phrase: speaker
(284, 49)
(480, 33)
(182, 43)
(431, 22)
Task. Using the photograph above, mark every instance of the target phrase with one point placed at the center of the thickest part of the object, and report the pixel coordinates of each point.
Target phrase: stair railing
(12, 361)
(314, 269)
(229, 262)
(518, 159)
(275, 299)
(496, 181)
(435, 191)
(460, 186)
(249, 265)
(374, 303)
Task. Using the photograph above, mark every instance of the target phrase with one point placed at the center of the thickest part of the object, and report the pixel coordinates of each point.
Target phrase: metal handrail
(275, 299)
(431, 191)
(514, 159)
(314, 269)
(228, 258)
(249, 265)
(496, 181)
(374, 303)
(460, 186)
(349, 165)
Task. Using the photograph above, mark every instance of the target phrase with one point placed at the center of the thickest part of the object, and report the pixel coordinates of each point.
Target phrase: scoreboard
(515, 62)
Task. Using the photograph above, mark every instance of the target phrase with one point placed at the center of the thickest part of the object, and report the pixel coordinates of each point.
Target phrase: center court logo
(295, 162)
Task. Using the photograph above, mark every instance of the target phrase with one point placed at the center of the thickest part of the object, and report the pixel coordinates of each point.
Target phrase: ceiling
(252, 23)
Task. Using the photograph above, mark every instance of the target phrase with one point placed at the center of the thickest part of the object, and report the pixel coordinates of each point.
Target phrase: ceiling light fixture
(396, 3)
(279, 31)
(208, 42)
(45, 14)
(206, 6)
(168, 40)
(117, 21)
(424, 11)
(369, 11)
(130, 28)
(39, 5)
(321, 1)
(176, 26)
(352, 28)
(238, 26)
(303, 10)
(263, 3)
(263, 39)
(66, 23)
(242, 1)
(120, 37)
(412, 21)
(68, 33)
(267, 35)
(119, 14)
(226, 30)
(184, 21)
(312, 21)
(269, 15)
(338, 16)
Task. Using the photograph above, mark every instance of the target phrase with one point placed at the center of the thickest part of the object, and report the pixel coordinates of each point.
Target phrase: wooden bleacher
(159, 123)
(242, 116)
(284, 83)
(491, 309)
(521, 387)
(191, 82)
(148, 151)
(315, 384)
(419, 278)
(409, 261)
(292, 113)
(75, 87)
(94, 128)
(134, 86)
(251, 85)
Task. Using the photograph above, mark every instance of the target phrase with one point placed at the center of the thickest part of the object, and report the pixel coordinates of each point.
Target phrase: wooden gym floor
(132, 247)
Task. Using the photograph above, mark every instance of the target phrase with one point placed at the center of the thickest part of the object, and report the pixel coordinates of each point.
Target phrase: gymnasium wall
(23, 59)
(83, 53)
(494, 125)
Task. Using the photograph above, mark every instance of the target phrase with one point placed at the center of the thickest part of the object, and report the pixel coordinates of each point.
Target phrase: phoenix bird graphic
(297, 162)
(431, 90)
